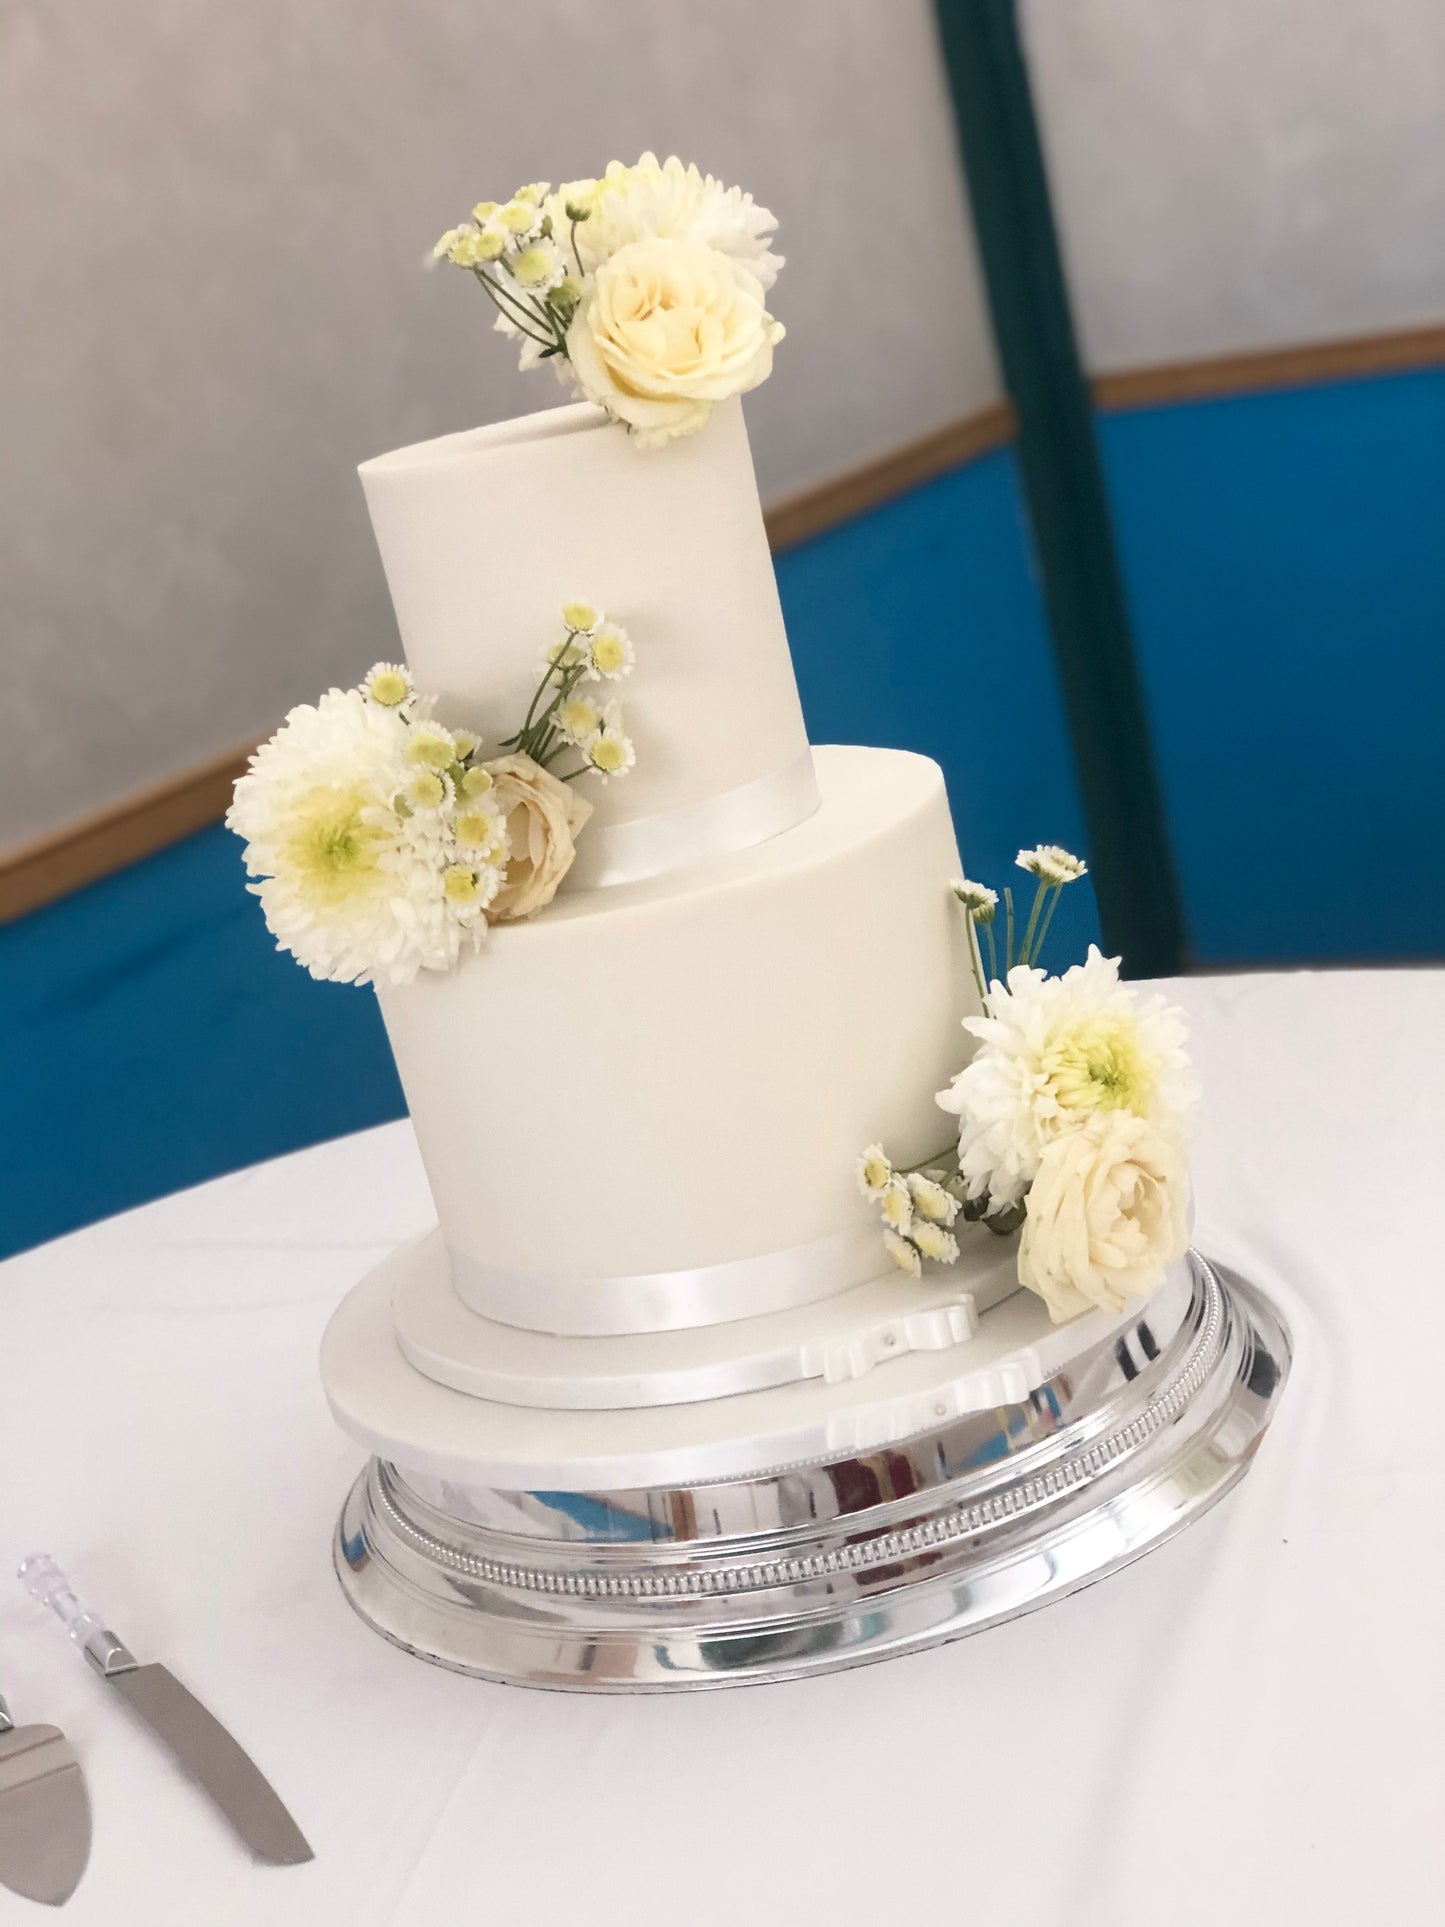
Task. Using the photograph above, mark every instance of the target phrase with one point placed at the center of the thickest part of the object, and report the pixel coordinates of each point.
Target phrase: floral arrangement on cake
(1072, 1119)
(645, 288)
(384, 842)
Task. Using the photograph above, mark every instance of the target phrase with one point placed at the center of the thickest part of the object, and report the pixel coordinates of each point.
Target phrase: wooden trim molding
(1264, 368)
(798, 517)
(80, 853)
(137, 826)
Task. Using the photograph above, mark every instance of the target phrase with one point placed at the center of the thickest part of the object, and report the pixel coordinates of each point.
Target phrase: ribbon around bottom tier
(657, 1301)
(648, 846)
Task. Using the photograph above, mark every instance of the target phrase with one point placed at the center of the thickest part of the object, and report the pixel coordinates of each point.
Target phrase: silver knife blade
(44, 1815)
(222, 1767)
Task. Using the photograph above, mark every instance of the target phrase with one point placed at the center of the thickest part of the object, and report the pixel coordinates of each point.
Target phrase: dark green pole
(1133, 872)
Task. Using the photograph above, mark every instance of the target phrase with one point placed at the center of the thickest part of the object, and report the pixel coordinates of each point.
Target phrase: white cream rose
(667, 328)
(543, 816)
(1106, 1214)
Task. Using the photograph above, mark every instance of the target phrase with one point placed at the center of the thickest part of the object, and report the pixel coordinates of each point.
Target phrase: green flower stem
(1040, 892)
(992, 952)
(516, 742)
(576, 255)
(1008, 899)
(1058, 891)
(975, 959)
(512, 307)
(541, 742)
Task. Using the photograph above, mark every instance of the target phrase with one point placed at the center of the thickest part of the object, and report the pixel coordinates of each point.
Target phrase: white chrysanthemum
(471, 247)
(874, 1171)
(566, 654)
(934, 1242)
(581, 618)
(539, 268)
(481, 837)
(574, 201)
(609, 750)
(610, 653)
(429, 789)
(430, 746)
(931, 1200)
(349, 885)
(1053, 1051)
(895, 1201)
(578, 719)
(903, 1254)
(389, 684)
(520, 218)
(975, 897)
(1050, 864)
(666, 200)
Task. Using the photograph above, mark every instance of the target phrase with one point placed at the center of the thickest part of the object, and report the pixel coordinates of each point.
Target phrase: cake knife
(44, 1812)
(197, 1739)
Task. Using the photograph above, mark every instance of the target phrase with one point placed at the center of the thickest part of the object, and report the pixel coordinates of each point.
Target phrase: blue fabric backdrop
(1287, 578)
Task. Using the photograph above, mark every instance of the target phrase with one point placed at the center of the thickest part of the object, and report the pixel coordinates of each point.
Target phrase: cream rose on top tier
(667, 329)
(646, 288)
(542, 817)
(1106, 1215)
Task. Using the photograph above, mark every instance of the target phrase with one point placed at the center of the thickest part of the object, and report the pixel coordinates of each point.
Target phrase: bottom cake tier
(801, 1528)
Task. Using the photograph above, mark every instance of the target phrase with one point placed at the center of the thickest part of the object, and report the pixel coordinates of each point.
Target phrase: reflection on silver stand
(818, 1566)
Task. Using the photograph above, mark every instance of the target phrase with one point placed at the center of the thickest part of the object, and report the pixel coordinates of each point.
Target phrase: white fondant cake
(679, 1073)
(484, 536)
(713, 1367)
(641, 1111)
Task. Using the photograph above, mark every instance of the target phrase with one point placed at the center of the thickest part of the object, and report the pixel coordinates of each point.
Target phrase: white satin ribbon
(659, 1301)
(673, 839)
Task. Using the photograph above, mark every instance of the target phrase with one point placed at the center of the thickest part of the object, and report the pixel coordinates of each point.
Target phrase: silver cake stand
(807, 1567)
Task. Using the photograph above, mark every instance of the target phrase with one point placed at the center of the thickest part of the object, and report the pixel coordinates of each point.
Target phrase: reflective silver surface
(219, 1763)
(818, 1566)
(44, 1813)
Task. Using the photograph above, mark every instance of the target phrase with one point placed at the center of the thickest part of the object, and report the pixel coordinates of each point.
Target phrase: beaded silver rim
(814, 1569)
(967, 1521)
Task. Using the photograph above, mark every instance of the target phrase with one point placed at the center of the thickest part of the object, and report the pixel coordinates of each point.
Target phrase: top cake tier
(485, 535)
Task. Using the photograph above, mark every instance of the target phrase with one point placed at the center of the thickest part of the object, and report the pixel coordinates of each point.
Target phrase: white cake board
(400, 1414)
(837, 1339)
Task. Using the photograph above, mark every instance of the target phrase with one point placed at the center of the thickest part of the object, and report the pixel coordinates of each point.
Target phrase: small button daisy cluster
(521, 253)
(449, 791)
(561, 716)
(1052, 868)
(916, 1207)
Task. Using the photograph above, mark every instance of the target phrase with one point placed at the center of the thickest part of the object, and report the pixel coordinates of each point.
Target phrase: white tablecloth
(1247, 1726)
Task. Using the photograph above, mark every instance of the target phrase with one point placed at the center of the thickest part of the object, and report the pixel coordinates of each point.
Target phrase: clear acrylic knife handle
(43, 1580)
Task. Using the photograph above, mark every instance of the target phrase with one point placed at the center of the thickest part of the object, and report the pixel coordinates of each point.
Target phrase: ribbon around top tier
(719, 825)
(657, 1301)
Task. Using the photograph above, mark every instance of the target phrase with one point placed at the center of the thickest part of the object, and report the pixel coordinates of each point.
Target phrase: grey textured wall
(212, 227)
(213, 216)
(1234, 174)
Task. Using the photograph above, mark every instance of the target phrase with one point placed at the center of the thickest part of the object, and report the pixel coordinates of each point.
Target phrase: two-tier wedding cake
(761, 1328)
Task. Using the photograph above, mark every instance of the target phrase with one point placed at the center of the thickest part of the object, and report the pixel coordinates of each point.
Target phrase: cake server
(44, 1812)
(197, 1739)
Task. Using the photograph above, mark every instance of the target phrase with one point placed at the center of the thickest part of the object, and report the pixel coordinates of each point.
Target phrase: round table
(1247, 1725)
